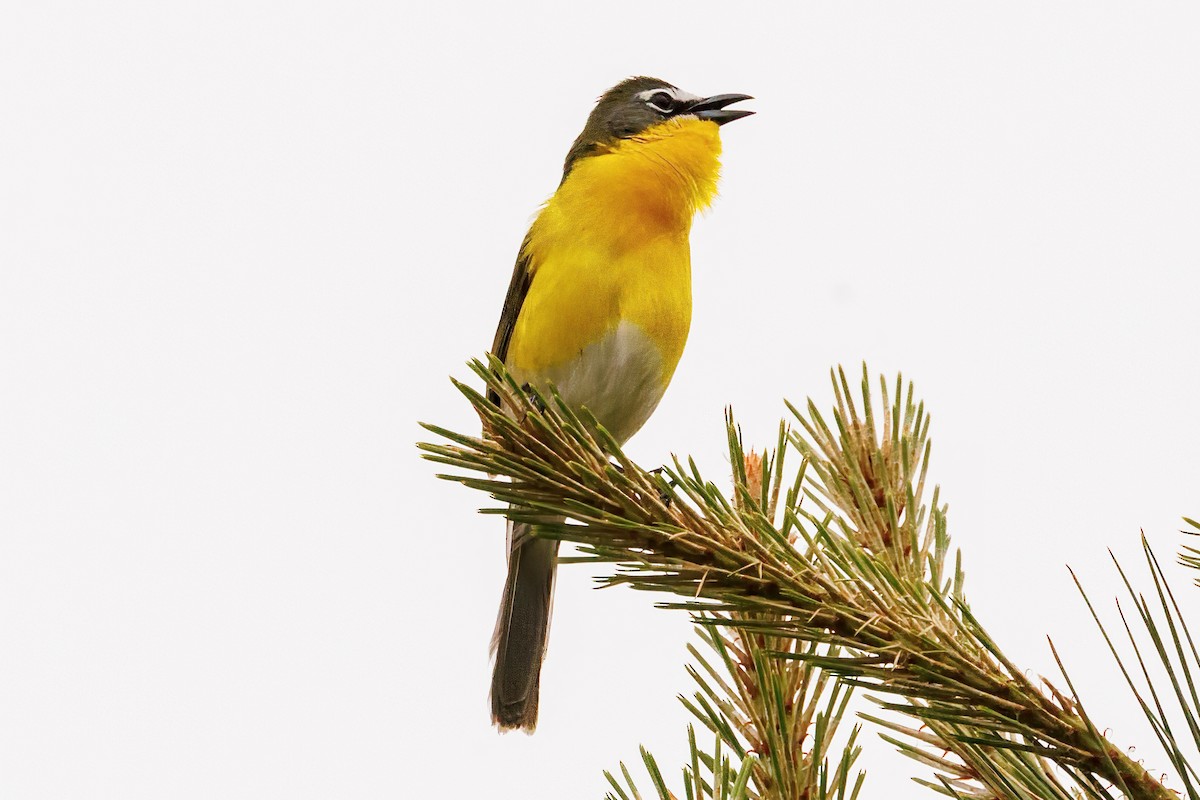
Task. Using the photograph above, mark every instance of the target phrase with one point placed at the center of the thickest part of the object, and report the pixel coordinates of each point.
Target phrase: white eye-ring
(667, 99)
(661, 101)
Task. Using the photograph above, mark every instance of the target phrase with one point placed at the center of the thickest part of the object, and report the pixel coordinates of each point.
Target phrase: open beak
(713, 108)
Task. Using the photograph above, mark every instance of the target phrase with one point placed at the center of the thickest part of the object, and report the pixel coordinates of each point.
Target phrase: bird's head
(636, 104)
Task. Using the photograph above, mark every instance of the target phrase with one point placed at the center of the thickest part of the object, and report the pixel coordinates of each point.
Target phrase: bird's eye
(661, 101)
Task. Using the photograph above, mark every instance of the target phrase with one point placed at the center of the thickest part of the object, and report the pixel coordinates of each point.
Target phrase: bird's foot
(533, 397)
(666, 486)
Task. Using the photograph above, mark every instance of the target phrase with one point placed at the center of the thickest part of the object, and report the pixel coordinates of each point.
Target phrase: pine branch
(782, 713)
(777, 717)
(782, 710)
(852, 581)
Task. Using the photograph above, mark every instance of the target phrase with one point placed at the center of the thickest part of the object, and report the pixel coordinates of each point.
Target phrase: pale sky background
(243, 244)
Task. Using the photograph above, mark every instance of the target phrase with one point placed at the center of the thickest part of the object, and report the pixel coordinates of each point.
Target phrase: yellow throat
(611, 247)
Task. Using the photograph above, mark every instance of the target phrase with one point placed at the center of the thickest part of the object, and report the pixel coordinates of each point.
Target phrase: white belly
(619, 379)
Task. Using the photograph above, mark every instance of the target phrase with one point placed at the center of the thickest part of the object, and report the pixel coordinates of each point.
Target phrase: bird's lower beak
(713, 108)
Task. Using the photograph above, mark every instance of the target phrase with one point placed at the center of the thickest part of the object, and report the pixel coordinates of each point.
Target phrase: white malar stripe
(618, 378)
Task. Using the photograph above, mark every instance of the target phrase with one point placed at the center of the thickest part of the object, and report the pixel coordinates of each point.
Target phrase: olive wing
(518, 288)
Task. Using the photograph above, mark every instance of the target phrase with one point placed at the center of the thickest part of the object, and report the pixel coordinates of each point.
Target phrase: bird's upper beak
(713, 108)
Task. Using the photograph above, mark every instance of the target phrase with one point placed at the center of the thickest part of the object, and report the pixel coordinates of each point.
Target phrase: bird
(599, 307)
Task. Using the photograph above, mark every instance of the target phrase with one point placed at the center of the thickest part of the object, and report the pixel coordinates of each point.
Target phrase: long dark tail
(521, 627)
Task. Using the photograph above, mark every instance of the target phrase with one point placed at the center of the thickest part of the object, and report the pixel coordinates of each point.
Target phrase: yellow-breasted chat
(599, 306)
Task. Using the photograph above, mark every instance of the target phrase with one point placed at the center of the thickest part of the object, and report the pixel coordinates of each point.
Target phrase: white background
(244, 244)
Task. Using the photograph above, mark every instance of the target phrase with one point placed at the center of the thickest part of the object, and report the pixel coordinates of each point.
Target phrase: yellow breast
(611, 246)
